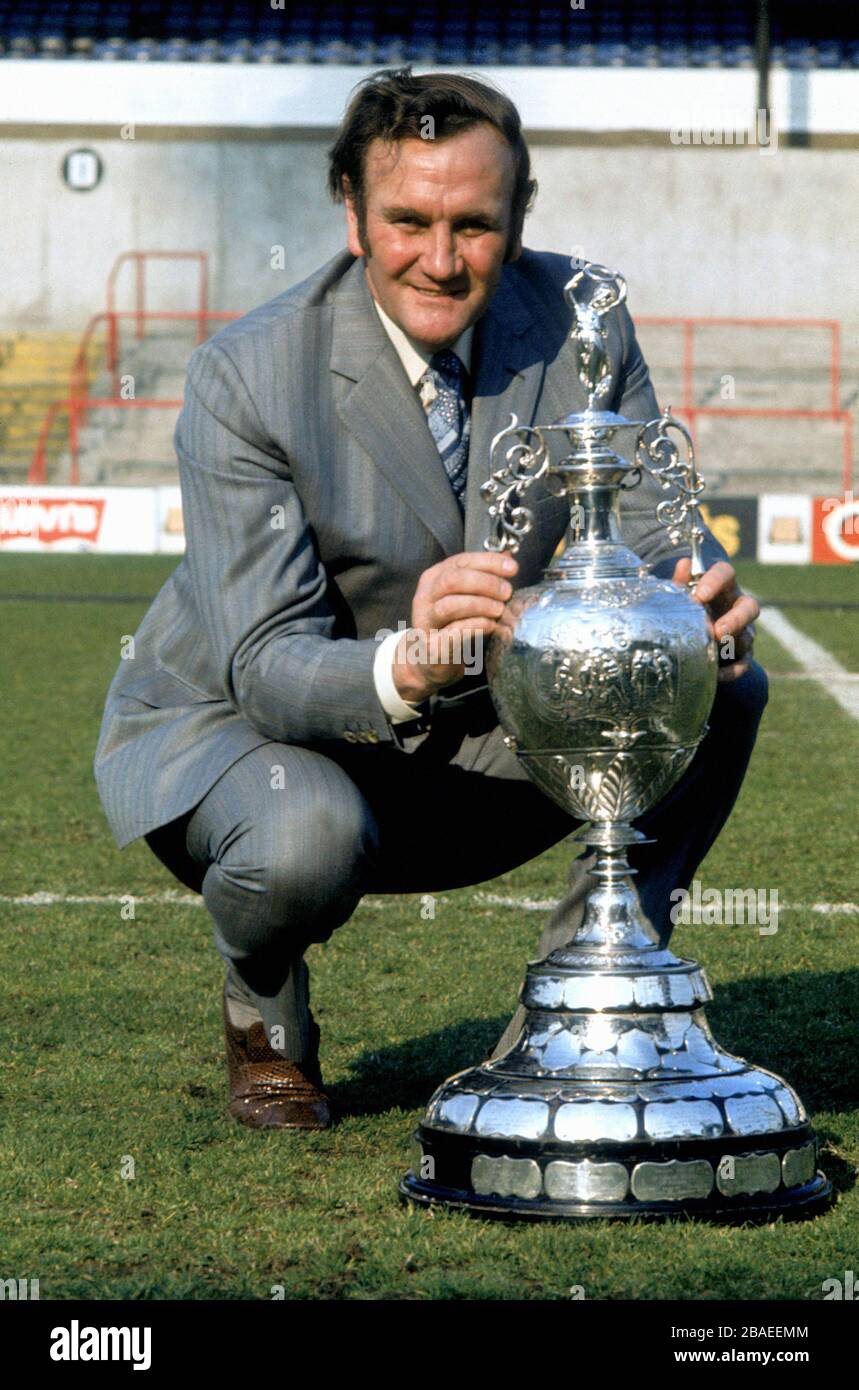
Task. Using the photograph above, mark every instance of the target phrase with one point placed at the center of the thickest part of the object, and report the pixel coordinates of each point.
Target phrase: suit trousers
(290, 838)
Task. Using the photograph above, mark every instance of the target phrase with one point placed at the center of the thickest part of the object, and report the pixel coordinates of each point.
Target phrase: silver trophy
(615, 1100)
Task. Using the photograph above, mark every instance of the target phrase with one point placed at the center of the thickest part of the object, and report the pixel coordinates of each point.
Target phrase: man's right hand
(462, 594)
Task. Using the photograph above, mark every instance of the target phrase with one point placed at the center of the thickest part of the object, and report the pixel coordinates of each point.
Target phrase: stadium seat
(544, 32)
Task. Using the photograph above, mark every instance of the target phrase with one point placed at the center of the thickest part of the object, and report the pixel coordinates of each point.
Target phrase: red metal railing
(78, 402)
(140, 259)
(76, 409)
(689, 323)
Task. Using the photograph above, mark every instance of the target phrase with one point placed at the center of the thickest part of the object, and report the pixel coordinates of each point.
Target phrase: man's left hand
(731, 613)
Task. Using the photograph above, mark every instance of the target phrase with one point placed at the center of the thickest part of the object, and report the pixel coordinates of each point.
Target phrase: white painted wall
(298, 96)
(231, 159)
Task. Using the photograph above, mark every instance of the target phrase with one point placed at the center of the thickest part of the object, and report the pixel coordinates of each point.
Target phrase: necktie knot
(449, 367)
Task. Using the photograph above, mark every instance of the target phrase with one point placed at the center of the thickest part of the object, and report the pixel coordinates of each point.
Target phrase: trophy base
(629, 1109)
(798, 1204)
(757, 1179)
(616, 1100)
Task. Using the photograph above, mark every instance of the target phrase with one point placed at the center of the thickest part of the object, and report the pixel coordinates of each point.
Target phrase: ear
(515, 251)
(353, 240)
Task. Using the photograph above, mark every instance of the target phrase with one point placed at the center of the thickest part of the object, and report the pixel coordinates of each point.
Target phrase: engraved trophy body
(615, 1100)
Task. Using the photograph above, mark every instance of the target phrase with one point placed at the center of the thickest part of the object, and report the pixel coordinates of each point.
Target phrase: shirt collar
(416, 359)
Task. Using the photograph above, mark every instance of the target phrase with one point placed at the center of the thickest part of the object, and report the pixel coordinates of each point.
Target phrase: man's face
(438, 216)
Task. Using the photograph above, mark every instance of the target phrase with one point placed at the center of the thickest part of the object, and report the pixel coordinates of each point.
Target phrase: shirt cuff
(397, 709)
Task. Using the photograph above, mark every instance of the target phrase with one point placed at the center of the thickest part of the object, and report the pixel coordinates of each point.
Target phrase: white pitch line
(547, 904)
(60, 899)
(817, 663)
(171, 898)
(851, 678)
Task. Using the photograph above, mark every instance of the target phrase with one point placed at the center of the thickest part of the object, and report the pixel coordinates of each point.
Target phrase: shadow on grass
(801, 1025)
(404, 1077)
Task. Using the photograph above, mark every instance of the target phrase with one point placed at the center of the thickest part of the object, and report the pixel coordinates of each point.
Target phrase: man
(279, 754)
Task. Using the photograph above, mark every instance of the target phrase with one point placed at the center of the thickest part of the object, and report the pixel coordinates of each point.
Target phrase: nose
(441, 259)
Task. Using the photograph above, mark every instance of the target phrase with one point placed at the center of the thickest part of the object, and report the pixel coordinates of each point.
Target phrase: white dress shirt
(415, 360)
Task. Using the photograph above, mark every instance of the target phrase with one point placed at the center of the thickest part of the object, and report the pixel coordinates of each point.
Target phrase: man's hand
(462, 594)
(731, 611)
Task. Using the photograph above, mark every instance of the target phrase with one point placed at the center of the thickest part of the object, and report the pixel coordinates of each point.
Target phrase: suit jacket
(314, 497)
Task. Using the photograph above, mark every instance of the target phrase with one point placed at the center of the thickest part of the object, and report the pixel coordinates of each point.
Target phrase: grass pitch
(111, 1060)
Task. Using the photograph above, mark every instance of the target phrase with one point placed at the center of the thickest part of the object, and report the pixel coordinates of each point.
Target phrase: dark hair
(393, 104)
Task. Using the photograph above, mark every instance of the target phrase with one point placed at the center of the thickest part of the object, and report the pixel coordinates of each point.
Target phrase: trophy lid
(593, 420)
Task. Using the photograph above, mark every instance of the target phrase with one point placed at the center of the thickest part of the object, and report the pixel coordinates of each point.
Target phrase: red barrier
(140, 259)
(690, 322)
(75, 408)
(762, 413)
(78, 402)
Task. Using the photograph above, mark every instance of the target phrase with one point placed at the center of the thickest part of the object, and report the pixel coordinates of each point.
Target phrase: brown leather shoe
(266, 1091)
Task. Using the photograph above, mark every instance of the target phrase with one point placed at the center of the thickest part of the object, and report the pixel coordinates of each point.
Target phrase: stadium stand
(55, 427)
(34, 371)
(614, 33)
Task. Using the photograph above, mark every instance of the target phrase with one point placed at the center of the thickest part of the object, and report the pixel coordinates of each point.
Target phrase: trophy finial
(591, 293)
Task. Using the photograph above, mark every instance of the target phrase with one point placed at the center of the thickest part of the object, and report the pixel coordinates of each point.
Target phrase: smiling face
(438, 217)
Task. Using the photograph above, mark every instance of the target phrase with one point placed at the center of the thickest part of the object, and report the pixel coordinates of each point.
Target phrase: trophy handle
(678, 514)
(523, 463)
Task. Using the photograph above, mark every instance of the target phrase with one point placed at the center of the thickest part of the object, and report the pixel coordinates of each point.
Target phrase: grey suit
(266, 628)
(314, 498)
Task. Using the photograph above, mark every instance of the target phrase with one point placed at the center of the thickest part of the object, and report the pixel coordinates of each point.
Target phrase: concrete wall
(700, 230)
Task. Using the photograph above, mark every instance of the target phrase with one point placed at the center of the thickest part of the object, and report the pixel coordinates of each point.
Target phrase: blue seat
(831, 54)
(643, 54)
(550, 55)
(452, 54)
(486, 51)
(109, 50)
(737, 54)
(390, 51)
(610, 55)
(268, 50)
(675, 55)
(337, 51)
(238, 51)
(517, 54)
(143, 50)
(799, 53)
(207, 51)
(297, 51)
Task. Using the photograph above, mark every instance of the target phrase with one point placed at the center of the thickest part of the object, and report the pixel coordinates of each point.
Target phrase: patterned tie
(443, 396)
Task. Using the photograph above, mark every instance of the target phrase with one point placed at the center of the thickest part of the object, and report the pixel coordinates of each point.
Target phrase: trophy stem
(614, 921)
